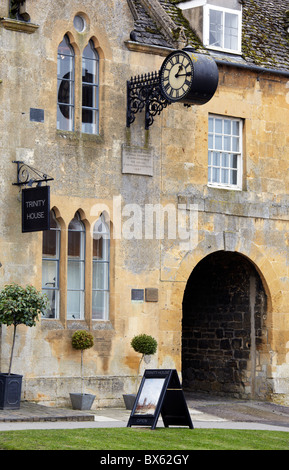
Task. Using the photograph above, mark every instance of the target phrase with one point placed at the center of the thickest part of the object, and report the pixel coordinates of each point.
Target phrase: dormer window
(218, 23)
(222, 29)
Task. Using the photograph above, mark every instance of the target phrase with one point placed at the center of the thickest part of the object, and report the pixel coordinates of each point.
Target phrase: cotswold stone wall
(88, 177)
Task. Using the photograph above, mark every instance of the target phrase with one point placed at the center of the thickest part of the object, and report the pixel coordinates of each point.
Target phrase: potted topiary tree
(146, 345)
(81, 340)
(18, 305)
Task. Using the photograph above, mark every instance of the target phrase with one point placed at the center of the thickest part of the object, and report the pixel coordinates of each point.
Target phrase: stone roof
(265, 30)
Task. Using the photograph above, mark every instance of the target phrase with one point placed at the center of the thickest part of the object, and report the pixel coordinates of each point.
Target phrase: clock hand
(183, 74)
(180, 68)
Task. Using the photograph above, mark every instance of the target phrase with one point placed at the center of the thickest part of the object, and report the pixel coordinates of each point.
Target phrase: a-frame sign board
(160, 392)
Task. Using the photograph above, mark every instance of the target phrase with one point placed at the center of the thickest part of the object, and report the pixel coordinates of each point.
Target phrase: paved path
(206, 412)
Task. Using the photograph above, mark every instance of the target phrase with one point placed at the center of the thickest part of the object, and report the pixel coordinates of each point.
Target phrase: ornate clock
(185, 76)
(176, 76)
(188, 77)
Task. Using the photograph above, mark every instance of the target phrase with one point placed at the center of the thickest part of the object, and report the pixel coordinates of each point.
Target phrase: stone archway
(224, 320)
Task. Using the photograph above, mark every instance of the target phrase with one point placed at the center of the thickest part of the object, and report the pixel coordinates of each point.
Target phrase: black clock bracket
(184, 77)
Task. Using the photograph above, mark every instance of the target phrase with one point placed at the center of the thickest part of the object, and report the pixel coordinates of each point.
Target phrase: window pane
(216, 159)
(225, 176)
(227, 127)
(235, 128)
(65, 85)
(91, 128)
(75, 275)
(225, 160)
(231, 31)
(210, 158)
(74, 244)
(210, 175)
(218, 126)
(216, 175)
(210, 141)
(53, 299)
(49, 273)
(49, 243)
(100, 305)
(90, 71)
(75, 268)
(233, 176)
(218, 142)
(90, 115)
(211, 125)
(88, 98)
(227, 142)
(74, 304)
(64, 118)
(50, 267)
(100, 276)
(216, 28)
(100, 249)
(235, 144)
(234, 161)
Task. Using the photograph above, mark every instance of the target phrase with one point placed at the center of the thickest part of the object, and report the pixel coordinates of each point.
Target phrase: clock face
(176, 76)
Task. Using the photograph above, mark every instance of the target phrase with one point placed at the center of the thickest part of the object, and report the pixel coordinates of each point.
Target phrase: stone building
(172, 223)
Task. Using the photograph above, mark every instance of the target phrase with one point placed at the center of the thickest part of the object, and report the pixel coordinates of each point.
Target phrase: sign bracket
(26, 175)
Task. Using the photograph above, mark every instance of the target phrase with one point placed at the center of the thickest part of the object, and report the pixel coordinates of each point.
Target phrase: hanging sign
(36, 209)
(160, 392)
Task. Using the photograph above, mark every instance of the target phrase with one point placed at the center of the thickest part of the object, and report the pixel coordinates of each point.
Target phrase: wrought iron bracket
(144, 92)
(26, 175)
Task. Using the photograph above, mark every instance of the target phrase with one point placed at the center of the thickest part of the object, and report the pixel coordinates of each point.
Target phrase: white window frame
(100, 283)
(206, 28)
(224, 153)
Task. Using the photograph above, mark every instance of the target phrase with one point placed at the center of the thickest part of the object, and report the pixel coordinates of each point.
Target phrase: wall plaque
(137, 160)
(137, 295)
(36, 209)
(36, 115)
(151, 294)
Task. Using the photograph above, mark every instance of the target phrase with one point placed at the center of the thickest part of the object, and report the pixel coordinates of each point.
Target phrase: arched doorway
(224, 313)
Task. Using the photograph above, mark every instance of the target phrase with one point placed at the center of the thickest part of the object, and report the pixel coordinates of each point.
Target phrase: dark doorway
(224, 308)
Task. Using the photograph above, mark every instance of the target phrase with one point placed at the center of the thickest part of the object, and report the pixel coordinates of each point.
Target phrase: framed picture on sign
(149, 396)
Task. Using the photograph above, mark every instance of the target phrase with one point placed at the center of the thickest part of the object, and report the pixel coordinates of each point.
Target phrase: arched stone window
(65, 85)
(100, 276)
(75, 268)
(50, 266)
(90, 87)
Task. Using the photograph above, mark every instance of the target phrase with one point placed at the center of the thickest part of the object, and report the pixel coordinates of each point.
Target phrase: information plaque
(137, 160)
(160, 393)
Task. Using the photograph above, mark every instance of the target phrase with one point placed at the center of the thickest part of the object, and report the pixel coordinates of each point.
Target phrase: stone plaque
(151, 294)
(137, 295)
(137, 160)
(36, 115)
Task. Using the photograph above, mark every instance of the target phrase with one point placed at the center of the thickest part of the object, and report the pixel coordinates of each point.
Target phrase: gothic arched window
(65, 85)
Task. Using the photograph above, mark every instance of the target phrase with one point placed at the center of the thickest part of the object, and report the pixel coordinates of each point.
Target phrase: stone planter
(10, 391)
(129, 400)
(81, 401)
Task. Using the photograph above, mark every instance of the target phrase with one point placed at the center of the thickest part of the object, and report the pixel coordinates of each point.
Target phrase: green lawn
(180, 439)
